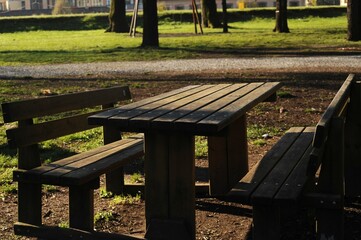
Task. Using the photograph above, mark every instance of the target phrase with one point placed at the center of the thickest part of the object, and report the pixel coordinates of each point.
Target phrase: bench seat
(82, 168)
(306, 168)
(277, 178)
(46, 118)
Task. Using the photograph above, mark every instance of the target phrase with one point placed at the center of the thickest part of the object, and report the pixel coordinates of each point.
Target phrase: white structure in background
(11, 5)
(272, 3)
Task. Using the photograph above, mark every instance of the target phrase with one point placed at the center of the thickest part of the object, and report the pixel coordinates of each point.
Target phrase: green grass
(177, 40)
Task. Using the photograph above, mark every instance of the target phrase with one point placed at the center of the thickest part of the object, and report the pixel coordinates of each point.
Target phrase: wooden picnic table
(170, 122)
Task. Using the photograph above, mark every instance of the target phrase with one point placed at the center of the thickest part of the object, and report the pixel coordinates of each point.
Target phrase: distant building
(45, 6)
(187, 4)
(272, 3)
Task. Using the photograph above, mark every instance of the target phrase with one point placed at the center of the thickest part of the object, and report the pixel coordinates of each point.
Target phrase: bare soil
(306, 94)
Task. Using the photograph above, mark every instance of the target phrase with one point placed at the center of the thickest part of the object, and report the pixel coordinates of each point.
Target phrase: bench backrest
(328, 147)
(327, 126)
(29, 132)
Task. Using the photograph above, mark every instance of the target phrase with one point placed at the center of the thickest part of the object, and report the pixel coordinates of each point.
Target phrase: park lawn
(177, 40)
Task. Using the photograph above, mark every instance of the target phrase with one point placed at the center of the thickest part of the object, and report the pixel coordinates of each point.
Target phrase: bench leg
(330, 224)
(115, 181)
(228, 157)
(29, 203)
(81, 208)
(266, 222)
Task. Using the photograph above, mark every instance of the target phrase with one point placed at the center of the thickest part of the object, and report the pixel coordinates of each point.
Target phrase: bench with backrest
(80, 172)
(304, 168)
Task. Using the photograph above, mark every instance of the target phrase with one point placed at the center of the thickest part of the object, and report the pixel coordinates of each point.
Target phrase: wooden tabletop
(202, 109)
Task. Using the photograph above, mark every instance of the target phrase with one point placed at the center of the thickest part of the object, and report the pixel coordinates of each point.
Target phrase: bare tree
(117, 19)
(354, 20)
(281, 17)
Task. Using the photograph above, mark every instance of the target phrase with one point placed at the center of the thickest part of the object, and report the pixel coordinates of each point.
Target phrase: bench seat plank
(292, 188)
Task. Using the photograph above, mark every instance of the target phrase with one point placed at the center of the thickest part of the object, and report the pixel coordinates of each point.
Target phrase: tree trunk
(150, 24)
(225, 17)
(354, 20)
(281, 17)
(117, 19)
(210, 16)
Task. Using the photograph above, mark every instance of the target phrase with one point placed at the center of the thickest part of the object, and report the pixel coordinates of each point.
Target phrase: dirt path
(197, 66)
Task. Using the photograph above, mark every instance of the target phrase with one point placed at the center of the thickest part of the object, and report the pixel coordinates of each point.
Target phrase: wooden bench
(79, 172)
(305, 168)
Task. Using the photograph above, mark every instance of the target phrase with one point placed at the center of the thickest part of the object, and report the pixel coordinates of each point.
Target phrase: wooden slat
(25, 136)
(154, 107)
(166, 121)
(353, 143)
(101, 118)
(292, 188)
(244, 188)
(333, 110)
(56, 233)
(20, 110)
(265, 193)
(188, 122)
(78, 157)
(102, 166)
(143, 120)
(79, 172)
(50, 173)
(218, 120)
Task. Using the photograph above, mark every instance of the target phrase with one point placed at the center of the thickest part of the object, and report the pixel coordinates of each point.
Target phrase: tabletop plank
(229, 113)
(188, 122)
(166, 121)
(123, 119)
(102, 117)
(175, 107)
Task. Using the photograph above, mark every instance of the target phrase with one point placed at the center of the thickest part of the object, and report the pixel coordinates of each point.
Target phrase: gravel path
(139, 67)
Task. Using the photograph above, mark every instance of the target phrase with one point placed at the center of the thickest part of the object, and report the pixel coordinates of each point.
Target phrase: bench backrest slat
(32, 134)
(335, 109)
(27, 109)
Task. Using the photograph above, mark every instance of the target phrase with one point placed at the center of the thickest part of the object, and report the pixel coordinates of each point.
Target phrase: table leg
(169, 186)
(228, 157)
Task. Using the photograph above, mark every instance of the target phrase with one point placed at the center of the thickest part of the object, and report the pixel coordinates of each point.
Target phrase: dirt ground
(306, 94)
